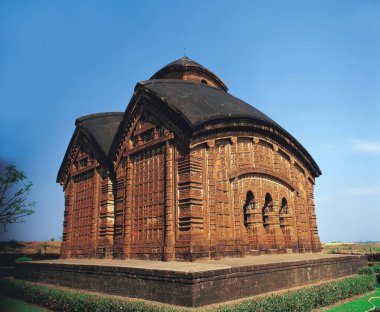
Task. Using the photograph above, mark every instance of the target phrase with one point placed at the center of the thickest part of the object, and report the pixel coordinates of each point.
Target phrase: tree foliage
(14, 192)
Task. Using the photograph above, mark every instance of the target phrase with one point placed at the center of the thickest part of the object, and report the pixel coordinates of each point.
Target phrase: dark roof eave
(100, 156)
(170, 105)
(80, 129)
(64, 160)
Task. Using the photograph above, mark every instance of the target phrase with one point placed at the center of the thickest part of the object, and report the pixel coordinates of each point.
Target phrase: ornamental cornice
(257, 131)
(257, 172)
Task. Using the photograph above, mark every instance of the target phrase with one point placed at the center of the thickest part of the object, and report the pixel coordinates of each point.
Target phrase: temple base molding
(192, 284)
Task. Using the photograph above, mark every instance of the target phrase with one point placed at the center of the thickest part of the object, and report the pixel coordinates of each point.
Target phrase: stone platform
(192, 284)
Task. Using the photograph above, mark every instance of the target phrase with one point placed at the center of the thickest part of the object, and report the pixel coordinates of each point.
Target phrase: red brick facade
(166, 190)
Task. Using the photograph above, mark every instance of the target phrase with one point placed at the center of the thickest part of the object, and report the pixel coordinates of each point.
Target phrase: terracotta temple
(187, 172)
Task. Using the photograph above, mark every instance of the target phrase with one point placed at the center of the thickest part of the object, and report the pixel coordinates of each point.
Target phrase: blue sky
(312, 66)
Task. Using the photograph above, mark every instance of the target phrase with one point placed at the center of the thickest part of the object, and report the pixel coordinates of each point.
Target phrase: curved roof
(199, 103)
(185, 64)
(183, 61)
(100, 129)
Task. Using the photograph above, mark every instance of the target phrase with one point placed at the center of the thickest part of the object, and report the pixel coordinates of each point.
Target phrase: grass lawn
(360, 304)
(8, 304)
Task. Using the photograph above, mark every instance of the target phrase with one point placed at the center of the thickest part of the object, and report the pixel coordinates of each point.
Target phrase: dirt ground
(356, 248)
(338, 247)
(31, 247)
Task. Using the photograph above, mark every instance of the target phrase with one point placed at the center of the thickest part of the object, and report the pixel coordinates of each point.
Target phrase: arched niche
(268, 207)
(248, 206)
(284, 210)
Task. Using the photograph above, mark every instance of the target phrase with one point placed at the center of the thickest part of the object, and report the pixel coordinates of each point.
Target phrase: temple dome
(186, 69)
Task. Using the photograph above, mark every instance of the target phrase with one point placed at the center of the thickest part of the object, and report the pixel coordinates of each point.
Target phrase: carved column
(275, 223)
(169, 233)
(128, 196)
(316, 243)
(252, 226)
(190, 200)
(258, 227)
(271, 224)
(298, 245)
(106, 230)
(67, 222)
(288, 230)
(95, 208)
(211, 185)
(119, 210)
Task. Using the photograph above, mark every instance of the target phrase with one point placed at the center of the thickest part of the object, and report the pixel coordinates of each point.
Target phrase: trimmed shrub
(63, 300)
(302, 300)
(376, 268)
(308, 298)
(23, 259)
(366, 270)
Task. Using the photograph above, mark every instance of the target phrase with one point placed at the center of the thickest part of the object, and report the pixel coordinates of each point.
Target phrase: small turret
(186, 69)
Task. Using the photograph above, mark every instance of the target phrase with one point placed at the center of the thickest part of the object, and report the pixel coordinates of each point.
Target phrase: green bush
(308, 298)
(62, 300)
(376, 268)
(23, 259)
(302, 300)
(366, 270)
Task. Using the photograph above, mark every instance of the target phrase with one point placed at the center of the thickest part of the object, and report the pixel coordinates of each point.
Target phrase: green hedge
(304, 299)
(23, 259)
(62, 300)
(308, 298)
(366, 270)
(376, 268)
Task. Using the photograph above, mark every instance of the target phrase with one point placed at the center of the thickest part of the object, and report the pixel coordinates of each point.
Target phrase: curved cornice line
(238, 174)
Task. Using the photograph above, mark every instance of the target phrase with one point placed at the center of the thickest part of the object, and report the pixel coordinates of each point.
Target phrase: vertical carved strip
(190, 195)
(95, 208)
(316, 244)
(127, 211)
(169, 203)
(106, 228)
(119, 212)
(257, 224)
(211, 190)
(67, 223)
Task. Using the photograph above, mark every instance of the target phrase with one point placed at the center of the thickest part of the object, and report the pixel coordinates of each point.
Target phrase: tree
(13, 197)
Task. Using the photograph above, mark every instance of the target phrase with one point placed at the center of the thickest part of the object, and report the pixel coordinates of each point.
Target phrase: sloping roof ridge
(99, 115)
(168, 103)
(158, 81)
